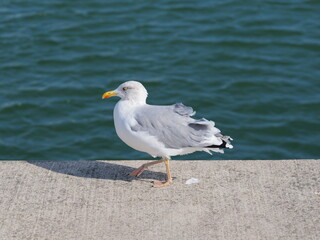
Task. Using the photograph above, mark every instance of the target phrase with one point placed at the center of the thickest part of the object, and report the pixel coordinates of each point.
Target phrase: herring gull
(161, 131)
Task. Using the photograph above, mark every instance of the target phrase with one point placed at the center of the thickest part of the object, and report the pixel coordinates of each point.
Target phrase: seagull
(161, 131)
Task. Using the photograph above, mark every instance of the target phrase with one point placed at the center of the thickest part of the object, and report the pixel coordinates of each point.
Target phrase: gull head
(131, 90)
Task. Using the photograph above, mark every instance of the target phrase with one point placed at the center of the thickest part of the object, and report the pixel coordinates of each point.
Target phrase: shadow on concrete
(97, 169)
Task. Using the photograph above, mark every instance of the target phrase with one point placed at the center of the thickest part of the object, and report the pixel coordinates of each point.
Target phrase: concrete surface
(97, 200)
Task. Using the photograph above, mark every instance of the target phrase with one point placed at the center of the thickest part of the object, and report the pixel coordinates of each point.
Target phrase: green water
(251, 66)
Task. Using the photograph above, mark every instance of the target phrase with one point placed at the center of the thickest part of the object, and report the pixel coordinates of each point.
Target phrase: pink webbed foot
(162, 184)
(138, 171)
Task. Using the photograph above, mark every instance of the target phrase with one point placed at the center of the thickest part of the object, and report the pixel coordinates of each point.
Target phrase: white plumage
(161, 131)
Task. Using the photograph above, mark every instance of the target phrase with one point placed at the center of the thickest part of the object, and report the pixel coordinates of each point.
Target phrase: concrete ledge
(97, 200)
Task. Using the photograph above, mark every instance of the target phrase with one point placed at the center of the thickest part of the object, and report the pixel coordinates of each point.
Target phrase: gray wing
(174, 127)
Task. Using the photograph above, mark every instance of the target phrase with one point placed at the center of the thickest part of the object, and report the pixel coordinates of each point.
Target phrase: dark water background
(251, 66)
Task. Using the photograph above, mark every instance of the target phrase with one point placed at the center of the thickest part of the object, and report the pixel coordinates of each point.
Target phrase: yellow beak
(109, 94)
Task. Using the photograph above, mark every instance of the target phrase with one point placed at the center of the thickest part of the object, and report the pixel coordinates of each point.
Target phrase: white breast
(123, 120)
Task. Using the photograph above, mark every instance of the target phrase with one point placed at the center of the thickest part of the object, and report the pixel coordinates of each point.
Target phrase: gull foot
(138, 171)
(162, 184)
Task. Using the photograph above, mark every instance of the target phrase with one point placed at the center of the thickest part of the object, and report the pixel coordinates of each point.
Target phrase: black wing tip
(222, 145)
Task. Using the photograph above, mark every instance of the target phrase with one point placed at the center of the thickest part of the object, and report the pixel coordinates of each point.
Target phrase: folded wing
(174, 127)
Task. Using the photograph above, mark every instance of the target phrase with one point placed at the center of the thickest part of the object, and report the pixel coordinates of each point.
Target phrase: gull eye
(124, 88)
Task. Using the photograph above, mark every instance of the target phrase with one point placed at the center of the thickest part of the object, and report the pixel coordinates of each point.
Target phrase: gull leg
(143, 167)
(169, 178)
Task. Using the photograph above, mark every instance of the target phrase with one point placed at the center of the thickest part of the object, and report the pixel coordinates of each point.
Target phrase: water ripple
(253, 69)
